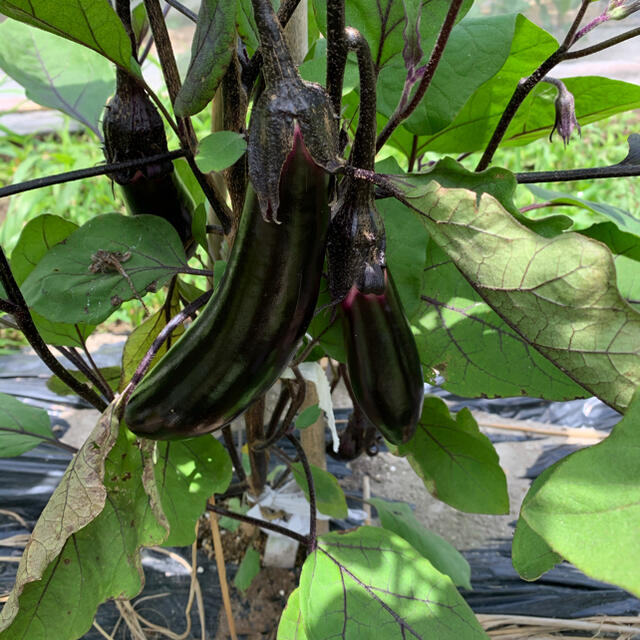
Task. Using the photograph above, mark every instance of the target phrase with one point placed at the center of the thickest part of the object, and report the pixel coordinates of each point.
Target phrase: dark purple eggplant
(249, 330)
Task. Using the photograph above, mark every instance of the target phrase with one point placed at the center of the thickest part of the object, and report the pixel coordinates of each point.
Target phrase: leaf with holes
(211, 50)
(370, 583)
(577, 505)
(109, 259)
(398, 517)
(558, 293)
(92, 23)
(187, 473)
(22, 427)
(456, 462)
(50, 70)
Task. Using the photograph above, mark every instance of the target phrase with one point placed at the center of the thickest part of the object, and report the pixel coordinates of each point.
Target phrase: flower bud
(566, 120)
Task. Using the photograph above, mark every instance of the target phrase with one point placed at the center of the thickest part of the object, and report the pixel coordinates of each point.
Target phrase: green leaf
(92, 23)
(290, 626)
(330, 498)
(110, 374)
(530, 554)
(219, 150)
(398, 518)
(558, 293)
(199, 225)
(475, 52)
(248, 569)
(308, 417)
(456, 462)
(246, 26)
(37, 237)
(587, 506)
(231, 524)
(142, 337)
(626, 255)
(49, 69)
(370, 583)
(586, 213)
(212, 47)
(22, 427)
(188, 473)
(63, 288)
(69, 565)
(382, 24)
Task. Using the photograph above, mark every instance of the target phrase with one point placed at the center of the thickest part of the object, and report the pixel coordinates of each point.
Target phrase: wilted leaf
(22, 427)
(370, 583)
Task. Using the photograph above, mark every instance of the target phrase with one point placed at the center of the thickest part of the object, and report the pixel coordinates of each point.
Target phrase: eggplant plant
(272, 240)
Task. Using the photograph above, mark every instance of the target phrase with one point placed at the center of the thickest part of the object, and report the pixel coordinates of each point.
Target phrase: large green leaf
(290, 626)
(371, 583)
(587, 507)
(558, 293)
(70, 285)
(382, 23)
(92, 23)
(476, 51)
(38, 236)
(457, 333)
(22, 427)
(211, 50)
(456, 462)
(398, 517)
(56, 73)
(188, 473)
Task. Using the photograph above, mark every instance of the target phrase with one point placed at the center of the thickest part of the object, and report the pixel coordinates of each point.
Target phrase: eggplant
(246, 334)
(133, 130)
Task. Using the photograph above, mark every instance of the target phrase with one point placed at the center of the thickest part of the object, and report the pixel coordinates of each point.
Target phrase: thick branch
(613, 171)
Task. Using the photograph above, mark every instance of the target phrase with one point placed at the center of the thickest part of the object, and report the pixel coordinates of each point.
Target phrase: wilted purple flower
(565, 104)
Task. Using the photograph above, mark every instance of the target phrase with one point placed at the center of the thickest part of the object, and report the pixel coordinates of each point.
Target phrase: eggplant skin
(383, 361)
(248, 331)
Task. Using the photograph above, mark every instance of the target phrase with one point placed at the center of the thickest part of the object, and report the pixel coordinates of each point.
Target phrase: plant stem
(25, 322)
(187, 135)
(185, 11)
(75, 358)
(525, 87)
(363, 151)
(312, 540)
(51, 441)
(587, 51)
(89, 172)
(178, 319)
(613, 171)
(337, 50)
(263, 524)
(233, 452)
(250, 72)
(258, 458)
(403, 110)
